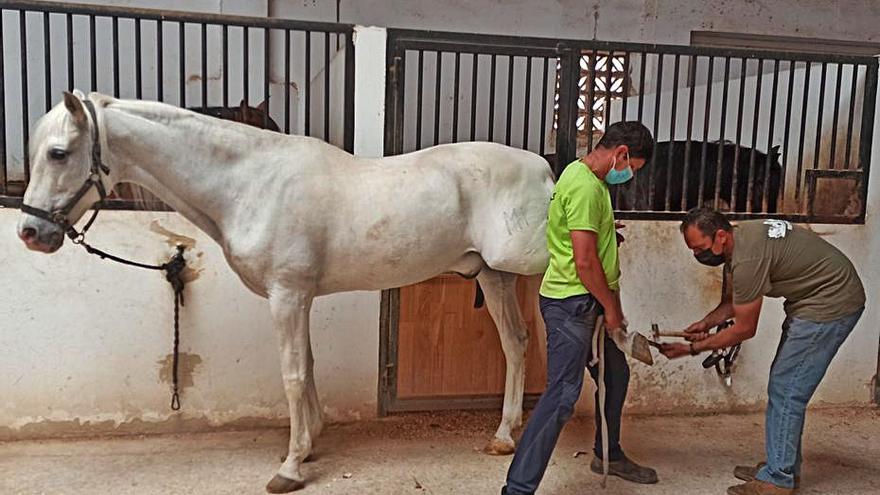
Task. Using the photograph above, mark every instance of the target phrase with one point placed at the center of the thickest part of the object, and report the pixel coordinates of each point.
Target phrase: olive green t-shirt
(774, 258)
(581, 201)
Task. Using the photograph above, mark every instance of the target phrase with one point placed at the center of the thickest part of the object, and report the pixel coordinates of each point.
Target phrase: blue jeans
(805, 351)
(570, 323)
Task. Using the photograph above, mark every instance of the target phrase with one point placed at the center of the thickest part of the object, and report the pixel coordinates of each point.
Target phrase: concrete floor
(439, 454)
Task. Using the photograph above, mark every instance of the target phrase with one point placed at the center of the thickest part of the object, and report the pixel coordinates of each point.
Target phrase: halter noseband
(59, 216)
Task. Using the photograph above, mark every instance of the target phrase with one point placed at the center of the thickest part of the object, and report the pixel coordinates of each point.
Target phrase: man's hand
(613, 318)
(697, 331)
(674, 351)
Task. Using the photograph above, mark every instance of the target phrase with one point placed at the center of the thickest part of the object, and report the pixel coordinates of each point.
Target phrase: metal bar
(160, 62)
(765, 203)
(308, 101)
(492, 99)
(419, 99)
(348, 111)
(692, 66)
(246, 59)
(204, 42)
(181, 59)
(852, 112)
(832, 153)
(326, 87)
(464, 42)
(138, 61)
(625, 85)
(819, 116)
(3, 157)
(225, 65)
(266, 78)
(608, 62)
(721, 130)
(509, 114)
(756, 114)
(93, 52)
(527, 104)
(800, 159)
(174, 16)
(701, 188)
(644, 60)
(287, 81)
(474, 72)
(544, 106)
(47, 61)
(69, 34)
(867, 131)
(656, 127)
(785, 141)
(566, 132)
(115, 35)
(591, 98)
(25, 111)
(675, 69)
(439, 74)
(455, 98)
(739, 112)
(638, 177)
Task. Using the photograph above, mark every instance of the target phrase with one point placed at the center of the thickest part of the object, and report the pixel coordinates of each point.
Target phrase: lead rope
(173, 269)
(599, 357)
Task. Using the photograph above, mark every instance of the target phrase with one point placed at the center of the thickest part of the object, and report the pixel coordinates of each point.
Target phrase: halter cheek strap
(59, 216)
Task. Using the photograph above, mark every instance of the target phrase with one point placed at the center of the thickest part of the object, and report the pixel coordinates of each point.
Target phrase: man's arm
(744, 328)
(589, 269)
(723, 312)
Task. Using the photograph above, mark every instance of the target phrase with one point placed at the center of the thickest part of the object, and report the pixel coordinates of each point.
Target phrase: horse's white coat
(297, 218)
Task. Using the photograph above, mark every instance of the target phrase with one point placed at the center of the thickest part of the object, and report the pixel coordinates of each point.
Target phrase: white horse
(298, 218)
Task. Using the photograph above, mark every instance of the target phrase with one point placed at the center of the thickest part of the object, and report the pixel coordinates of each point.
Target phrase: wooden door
(448, 349)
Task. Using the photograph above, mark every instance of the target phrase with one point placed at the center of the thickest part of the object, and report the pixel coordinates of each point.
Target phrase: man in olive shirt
(824, 299)
(580, 283)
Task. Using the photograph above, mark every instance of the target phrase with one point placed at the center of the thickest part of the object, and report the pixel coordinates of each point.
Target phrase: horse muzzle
(45, 240)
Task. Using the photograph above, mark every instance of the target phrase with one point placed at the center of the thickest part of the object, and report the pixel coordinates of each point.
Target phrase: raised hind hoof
(499, 447)
(280, 484)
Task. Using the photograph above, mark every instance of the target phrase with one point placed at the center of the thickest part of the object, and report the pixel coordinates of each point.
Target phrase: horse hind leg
(500, 293)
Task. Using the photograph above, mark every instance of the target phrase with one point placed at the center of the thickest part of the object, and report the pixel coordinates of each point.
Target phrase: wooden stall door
(447, 348)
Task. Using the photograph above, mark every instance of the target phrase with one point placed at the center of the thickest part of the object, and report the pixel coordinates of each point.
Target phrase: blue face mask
(616, 177)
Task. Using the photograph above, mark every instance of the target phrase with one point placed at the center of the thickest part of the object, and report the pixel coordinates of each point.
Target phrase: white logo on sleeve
(778, 228)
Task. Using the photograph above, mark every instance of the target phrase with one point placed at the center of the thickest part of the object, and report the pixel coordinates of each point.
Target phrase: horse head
(67, 175)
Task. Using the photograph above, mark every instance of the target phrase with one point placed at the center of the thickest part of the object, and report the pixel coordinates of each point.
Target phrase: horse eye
(57, 154)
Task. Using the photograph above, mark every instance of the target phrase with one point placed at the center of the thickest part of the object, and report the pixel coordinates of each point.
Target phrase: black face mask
(708, 258)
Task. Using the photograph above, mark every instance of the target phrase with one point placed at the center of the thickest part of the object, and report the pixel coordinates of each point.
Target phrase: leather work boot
(758, 487)
(748, 473)
(626, 469)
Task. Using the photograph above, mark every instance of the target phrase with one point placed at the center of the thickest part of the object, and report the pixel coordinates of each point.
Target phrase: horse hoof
(280, 484)
(499, 447)
(309, 458)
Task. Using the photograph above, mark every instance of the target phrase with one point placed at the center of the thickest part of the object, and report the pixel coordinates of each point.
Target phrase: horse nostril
(28, 233)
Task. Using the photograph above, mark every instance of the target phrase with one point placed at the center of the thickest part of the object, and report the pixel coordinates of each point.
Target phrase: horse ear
(75, 107)
(774, 150)
(264, 106)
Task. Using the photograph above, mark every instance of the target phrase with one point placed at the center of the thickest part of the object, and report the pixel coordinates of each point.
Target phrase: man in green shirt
(824, 300)
(581, 283)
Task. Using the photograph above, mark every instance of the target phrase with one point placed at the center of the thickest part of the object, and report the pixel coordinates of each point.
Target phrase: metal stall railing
(302, 72)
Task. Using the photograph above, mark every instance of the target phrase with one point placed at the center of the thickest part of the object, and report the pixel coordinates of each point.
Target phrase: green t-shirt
(581, 201)
(774, 258)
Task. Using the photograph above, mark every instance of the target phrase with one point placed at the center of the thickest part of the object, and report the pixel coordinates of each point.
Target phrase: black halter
(60, 217)
(173, 268)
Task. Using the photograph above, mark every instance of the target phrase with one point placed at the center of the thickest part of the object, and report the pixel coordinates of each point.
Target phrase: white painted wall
(82, 338)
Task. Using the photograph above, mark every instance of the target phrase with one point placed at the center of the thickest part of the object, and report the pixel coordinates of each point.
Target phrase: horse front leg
(500, 292)
(290, 316)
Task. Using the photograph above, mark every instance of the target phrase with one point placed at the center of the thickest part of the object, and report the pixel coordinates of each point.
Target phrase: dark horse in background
(679, 166)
